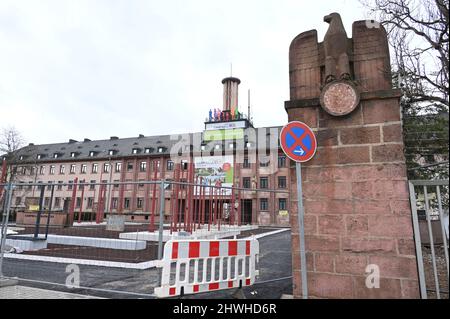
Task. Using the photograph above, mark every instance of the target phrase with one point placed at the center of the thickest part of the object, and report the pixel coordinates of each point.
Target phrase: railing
(430, 207)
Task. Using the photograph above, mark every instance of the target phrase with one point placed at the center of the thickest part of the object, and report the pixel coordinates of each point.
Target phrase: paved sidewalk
(22, 292)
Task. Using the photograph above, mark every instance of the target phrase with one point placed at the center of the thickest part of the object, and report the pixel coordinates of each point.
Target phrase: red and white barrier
(198, 266)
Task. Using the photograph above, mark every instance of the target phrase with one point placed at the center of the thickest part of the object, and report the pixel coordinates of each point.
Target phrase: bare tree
(10, 140)
(418, 33)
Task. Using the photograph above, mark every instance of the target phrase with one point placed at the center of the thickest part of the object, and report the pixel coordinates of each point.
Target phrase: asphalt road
(274, 262)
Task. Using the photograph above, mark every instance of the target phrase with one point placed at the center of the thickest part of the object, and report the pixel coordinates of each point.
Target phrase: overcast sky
(97, 68)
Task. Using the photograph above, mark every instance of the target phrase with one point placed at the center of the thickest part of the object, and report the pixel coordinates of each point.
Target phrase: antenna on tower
(231, 69)
(248, 114)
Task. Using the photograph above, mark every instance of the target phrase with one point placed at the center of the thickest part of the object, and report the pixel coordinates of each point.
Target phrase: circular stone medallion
(339, 98)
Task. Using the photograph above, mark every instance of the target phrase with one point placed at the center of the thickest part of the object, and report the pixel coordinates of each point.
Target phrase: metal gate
(430, 209)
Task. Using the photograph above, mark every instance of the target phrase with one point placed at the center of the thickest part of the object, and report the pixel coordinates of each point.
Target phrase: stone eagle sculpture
(335, 43)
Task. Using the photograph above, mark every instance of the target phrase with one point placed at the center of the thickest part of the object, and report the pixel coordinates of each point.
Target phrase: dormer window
(72, 154)
(147, 150)
(135, 150)
(231, 146)
(160, 149)
(248, 144)
(55, 155)
(39, 156)
(111, 152)
(91, 153)
(21, 157)
(203, 147)
(217, 147)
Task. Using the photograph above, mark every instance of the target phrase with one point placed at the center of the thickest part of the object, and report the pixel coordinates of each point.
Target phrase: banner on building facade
(215, 171)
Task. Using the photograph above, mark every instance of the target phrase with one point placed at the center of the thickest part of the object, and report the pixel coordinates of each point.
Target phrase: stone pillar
(356, 199)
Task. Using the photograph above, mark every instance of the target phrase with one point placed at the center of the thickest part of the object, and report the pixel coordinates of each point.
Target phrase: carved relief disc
(339, 98)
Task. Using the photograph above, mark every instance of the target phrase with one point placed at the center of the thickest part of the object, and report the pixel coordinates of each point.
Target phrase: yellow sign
(220, 135)
(33, 208)
(283, 213)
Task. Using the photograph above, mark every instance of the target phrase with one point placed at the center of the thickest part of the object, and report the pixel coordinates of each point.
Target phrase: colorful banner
(215, 171)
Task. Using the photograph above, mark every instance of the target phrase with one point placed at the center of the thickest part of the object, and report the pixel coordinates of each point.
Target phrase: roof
(126, 147)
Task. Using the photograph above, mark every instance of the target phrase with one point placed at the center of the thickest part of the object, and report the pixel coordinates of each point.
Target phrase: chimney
(230, 93)
(31, 144)
(141, 135)
(87, 140)
(113, 138)
(71, 141)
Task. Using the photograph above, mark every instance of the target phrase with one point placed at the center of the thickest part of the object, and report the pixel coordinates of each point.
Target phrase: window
(116, 181)
(59, 188)
(141, 183)
(21, 157)
(62, 169)
(72, 168)
(55, 155)
(46, 201)
(52, 169)
(140, 202)
(248, 145)
(111, 152)
(126, 203)
(160, 149)
(129, 166)
(32, 170)
(39, 156)
(49, 186)
(170, 165)
(18, 201)
(81, 185)
(281, 160)
(246, 163)
(83, 169)
(30, 187)
(135, 150)
(143, 166)
(20, 187)
(24, 170)
(57, 202)
(184, 165)
(264, 182)
(147, 150)
(95, 168)
(90, 202)
(263, 204)
(91, 153)
(203, 147)
(281, 181)
(246, 182)
(106, 168)
(42, 170)
(114, 203)
(92, 185)
(282, 204)
(264, 162)
(78, 202)
(217, 147)
(231, 146)
(118, 167)
(72, 154)
(70, 186)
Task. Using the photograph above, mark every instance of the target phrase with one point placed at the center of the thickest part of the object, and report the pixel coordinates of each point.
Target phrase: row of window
(263, 203)
(264, 182)
(83, 169)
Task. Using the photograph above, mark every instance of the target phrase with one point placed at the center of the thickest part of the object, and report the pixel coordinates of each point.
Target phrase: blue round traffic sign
(298, 141)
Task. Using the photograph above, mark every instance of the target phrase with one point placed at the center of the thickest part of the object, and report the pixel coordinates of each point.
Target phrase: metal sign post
(299, 143)
(301, 229)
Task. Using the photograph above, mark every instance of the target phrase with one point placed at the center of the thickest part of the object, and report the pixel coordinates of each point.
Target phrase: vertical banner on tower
(215, 171)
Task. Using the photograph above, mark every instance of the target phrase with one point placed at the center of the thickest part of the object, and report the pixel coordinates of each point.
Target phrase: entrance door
(246, 211)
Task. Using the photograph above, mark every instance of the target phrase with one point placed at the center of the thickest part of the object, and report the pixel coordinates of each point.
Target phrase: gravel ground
(441, 270)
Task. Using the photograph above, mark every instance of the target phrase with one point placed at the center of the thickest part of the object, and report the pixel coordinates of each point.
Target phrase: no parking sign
(299, 143)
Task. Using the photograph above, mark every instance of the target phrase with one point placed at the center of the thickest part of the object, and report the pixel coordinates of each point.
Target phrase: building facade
(260, 170)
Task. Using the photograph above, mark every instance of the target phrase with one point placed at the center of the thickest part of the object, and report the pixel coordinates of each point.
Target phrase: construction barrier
(198, 266)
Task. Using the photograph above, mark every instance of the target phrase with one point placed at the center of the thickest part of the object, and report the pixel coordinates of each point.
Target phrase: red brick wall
(355, 189)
